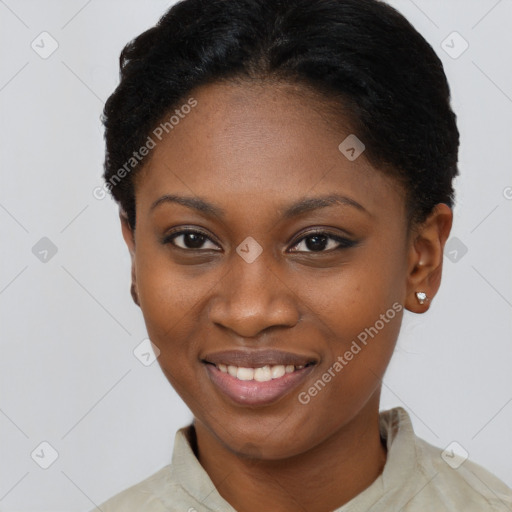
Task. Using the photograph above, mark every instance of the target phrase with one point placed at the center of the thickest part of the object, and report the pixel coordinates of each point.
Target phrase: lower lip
(252, 392)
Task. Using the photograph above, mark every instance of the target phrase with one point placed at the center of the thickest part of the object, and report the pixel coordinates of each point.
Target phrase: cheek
(359, 314)
(168, 292)
(359, 310)
(174, 301)
(354, 296)
(170, 304)
(361, 323)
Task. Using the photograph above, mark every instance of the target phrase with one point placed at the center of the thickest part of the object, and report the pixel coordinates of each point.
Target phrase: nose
(253, 297)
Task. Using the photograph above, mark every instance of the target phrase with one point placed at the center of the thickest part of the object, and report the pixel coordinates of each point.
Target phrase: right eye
(189, 240)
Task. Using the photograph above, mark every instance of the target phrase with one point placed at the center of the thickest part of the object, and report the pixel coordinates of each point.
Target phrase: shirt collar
(187, 471)
(401, 465)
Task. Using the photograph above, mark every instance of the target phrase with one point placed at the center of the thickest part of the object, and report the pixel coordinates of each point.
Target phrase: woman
(284, 173)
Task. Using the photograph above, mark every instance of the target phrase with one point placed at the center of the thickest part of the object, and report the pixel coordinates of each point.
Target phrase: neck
(319, 480)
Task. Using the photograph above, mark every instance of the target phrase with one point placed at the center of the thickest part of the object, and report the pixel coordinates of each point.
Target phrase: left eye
(322, 242)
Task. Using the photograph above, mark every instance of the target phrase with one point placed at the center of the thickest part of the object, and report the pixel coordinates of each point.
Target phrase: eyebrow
(314, 203)
(293, 210)
(195, 203)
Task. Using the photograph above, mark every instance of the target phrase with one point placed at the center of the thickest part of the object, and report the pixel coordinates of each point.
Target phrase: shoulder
(460, 484)
(181, 486)
(421, 477)
(145, 495)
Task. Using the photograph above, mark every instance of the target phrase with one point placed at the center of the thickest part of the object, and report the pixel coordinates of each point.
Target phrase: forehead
(255, 143)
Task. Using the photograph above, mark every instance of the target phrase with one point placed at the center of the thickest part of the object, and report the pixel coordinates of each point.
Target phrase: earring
(422, 297)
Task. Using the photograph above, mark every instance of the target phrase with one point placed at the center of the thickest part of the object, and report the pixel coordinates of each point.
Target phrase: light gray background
(68, 326)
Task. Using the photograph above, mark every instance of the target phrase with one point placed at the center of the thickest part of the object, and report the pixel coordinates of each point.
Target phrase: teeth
(277, 371)
(262, 374)
(245, 373)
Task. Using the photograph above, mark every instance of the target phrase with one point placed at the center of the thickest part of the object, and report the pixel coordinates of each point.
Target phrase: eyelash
(344, 243)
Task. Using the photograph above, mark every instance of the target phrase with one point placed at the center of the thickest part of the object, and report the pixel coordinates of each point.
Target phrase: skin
(253, 149)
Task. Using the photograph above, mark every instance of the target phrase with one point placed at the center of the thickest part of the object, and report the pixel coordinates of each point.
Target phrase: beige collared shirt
(415, 478)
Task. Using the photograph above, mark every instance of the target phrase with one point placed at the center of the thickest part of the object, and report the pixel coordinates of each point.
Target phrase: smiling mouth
(260, 374)
(257, 378)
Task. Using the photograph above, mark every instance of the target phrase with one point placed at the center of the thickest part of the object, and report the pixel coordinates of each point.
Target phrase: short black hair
(362, 53)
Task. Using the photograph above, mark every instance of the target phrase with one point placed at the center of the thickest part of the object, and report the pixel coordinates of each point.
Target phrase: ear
(425, 262)
(129, 238)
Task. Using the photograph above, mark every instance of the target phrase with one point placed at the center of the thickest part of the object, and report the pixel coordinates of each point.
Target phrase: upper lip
(257, 358)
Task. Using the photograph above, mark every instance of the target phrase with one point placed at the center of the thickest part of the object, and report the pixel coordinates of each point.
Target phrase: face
(261, 257)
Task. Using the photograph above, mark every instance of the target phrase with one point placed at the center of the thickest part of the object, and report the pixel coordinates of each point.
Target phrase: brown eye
(322, 242)
(189, 240)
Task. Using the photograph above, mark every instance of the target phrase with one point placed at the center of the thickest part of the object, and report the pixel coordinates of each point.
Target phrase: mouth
(257, 378)
(260, 374)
